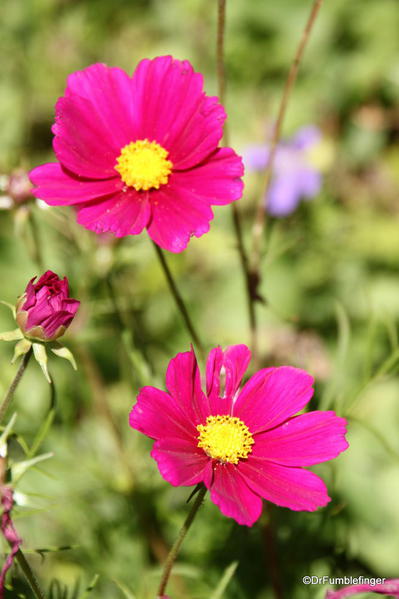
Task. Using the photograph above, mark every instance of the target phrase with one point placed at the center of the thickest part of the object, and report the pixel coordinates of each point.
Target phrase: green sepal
(40, 354)
(11, 335)
(12, 308)
(21, 348)
(64, 352)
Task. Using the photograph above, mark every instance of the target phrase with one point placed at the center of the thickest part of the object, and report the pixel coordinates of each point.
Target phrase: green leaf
(53, 549)
(11, 335)
(41, 358)
(41, 434)
(91, 586)
(128, 594)
(224, 581)
(19, 469)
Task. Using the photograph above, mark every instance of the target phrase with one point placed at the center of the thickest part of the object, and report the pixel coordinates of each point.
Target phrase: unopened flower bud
(17, 187)
(45, 310)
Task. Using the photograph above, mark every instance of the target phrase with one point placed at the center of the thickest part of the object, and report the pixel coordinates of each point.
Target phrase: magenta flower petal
(233, 496)
(182, 209)
(173, 109)
(234, 362)
(53, 322)
(109, 91)
(81, 143)
(141, 151)
(295, 488)
(184, 384)
(272, 395)
(218, 180)
(123, 213)
(213, 367)
(304, 440)
(389, 588)
(180, 462)
(57, 186)
(157, 415)
(177, 215)
(244, 446)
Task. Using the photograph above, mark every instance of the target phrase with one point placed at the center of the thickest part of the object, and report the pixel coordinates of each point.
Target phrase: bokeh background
(98, 506)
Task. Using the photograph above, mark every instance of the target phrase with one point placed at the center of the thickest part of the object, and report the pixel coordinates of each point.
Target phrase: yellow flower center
(143, 165)
(225, 438)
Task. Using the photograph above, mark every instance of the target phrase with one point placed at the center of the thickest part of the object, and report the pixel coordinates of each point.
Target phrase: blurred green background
(330, 276)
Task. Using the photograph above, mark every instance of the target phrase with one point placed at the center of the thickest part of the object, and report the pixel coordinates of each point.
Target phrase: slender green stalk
(260, 217)
(11, 390)
(221, 80)
(29, 575)
(220, 70)
(272, 557)
(170, 560)
(37, 256)
(178, 299)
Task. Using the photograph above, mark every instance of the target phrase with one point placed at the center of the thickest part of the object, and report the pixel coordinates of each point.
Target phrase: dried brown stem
(260, 217)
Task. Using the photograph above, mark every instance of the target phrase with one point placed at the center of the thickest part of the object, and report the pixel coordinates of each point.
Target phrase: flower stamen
(225, 438)
(143, 165)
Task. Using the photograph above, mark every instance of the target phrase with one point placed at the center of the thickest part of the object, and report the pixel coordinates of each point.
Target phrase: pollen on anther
(143, 164)
(225, 438)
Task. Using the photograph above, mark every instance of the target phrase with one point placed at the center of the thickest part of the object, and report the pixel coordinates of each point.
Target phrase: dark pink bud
(9, 533)
(45, 310)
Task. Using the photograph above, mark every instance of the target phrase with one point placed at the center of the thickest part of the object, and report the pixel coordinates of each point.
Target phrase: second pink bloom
(243, 444)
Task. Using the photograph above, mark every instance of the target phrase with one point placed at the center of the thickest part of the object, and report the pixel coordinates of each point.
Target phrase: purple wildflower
(294, 176)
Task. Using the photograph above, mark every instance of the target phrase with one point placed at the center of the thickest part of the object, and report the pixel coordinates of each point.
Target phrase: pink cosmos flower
(140, 151)
(389, 588)
(45, 310)
(243, 444)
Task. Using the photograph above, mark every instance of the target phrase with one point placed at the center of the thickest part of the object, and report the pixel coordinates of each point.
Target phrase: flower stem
(29, 575)
(11, 390)
(260, 217)
(220, 55)
(271, 555)
(221, 80)
(37, 251)
(170, 560)
(178, 299)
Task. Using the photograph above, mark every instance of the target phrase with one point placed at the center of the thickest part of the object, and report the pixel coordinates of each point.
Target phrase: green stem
(221, 80)
(11, 390)
(220, 55)
(170, 560)
(37, 251)
(271, 556)
(30, 577)
(178, 299)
